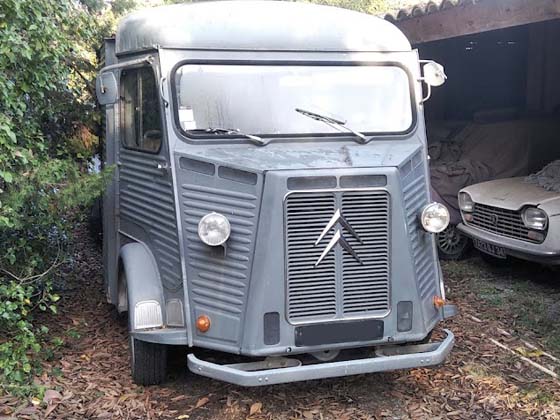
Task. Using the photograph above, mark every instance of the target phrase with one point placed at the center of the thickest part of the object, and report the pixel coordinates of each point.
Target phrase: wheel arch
(144, 295)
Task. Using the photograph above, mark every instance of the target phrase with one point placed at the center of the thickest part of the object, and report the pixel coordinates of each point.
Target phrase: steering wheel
(152, 135)
(152, 139)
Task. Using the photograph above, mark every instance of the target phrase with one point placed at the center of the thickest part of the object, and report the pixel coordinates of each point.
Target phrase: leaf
(7, 176)
(255, 408)
(10, 134)
(182, 417)
(201, 402)
(50, 409)
(51, 396)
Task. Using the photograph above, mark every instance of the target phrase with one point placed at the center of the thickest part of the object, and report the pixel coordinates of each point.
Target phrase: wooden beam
(478, 16)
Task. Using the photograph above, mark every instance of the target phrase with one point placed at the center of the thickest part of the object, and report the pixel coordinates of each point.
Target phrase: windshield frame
(227, 138)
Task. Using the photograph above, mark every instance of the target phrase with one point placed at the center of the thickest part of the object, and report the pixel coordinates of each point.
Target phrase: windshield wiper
(232, 131)
(333, 122)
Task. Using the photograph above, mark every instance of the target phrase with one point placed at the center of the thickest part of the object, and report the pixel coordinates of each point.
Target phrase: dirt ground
(511, 377)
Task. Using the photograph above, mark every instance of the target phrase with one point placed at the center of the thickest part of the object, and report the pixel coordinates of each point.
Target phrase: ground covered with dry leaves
(503, 365)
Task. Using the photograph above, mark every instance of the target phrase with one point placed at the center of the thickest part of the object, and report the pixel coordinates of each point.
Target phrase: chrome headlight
(214, 229)
(434, 218)
(466, 203)
(535, 218)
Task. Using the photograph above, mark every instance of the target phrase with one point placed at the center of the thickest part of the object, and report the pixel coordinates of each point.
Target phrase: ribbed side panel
(415, 197)
(366, 286)
(311, 289)
(146, 198)
(218, 277)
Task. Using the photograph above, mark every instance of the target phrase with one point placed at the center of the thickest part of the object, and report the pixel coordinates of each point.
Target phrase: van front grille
(346, 283)
(500, 221)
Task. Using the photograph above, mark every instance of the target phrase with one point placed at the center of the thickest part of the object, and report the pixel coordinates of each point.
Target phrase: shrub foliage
(48, 122)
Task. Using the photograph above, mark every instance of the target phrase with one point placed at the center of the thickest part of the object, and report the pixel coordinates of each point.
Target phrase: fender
(144, 289)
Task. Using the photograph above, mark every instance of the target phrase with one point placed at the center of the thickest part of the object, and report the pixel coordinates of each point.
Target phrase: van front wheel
(149, 362)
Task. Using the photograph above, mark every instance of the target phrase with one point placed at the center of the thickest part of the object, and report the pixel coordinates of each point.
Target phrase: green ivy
(48, 121)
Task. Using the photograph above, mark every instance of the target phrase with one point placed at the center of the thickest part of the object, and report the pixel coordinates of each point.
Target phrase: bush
(47, 121)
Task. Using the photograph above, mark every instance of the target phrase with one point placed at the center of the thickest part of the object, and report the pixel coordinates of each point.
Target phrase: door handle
(162, 91)
(163, 168)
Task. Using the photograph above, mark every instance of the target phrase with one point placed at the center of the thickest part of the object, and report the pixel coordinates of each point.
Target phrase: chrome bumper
(388, 358)
(513, 247)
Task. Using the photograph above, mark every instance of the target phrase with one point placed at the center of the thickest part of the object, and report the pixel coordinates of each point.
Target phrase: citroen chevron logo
(338, 238)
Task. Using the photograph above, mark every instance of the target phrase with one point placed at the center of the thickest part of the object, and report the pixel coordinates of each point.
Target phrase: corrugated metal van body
(218, 278)
(272, 280)
(414, 181)
(147, 212)
(273, 266)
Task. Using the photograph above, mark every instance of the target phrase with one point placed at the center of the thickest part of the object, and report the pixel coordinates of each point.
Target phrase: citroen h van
(271, 192)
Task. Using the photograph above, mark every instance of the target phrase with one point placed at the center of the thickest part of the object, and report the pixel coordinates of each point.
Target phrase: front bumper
(515, 248)
(388, 358)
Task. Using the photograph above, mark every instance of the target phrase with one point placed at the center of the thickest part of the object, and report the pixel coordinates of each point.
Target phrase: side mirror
(434, 74)
(106, 88)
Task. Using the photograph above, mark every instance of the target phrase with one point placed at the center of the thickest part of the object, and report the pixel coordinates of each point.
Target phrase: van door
(145, 192)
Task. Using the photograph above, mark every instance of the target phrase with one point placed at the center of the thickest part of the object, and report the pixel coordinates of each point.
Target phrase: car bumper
(514, 248)
(387, 358)
(169, 336)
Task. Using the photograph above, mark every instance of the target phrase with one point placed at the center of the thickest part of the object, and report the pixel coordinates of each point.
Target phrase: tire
(452, 244)
(148, 361)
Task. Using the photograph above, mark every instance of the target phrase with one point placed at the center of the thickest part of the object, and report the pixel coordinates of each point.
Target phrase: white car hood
(513, 194)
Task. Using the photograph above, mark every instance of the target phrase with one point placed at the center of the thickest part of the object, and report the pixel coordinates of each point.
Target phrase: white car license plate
(495, 251)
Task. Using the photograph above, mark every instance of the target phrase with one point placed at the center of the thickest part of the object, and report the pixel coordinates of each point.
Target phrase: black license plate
(495, 251)
(339, 332)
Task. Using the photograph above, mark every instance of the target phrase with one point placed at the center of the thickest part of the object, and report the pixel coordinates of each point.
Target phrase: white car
(512, 217)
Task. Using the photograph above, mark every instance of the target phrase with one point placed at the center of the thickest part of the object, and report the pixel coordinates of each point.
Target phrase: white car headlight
(535, 218)
(434, 218)
(214, 229)
(466, 203)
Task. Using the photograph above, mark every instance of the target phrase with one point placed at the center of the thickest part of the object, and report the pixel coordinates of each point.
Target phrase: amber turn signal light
(203, 323)
(439, 302)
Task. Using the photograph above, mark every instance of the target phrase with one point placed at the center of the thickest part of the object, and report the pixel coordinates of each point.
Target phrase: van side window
(140, 110)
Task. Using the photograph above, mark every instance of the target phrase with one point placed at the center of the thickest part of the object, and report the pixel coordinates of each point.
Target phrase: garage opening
(497, 116)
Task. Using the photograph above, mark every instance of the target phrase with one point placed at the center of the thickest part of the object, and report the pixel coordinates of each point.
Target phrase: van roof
(257, 25)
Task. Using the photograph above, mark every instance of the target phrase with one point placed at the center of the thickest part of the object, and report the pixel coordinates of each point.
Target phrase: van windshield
(263, 99)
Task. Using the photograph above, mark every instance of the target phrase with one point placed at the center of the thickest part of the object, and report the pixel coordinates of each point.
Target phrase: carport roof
(425, 8)
(441, 19)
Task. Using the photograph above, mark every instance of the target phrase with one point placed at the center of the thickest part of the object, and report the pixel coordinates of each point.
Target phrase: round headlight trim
(434, 218)
(466, 202)
(535, 218)
(214, 229)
